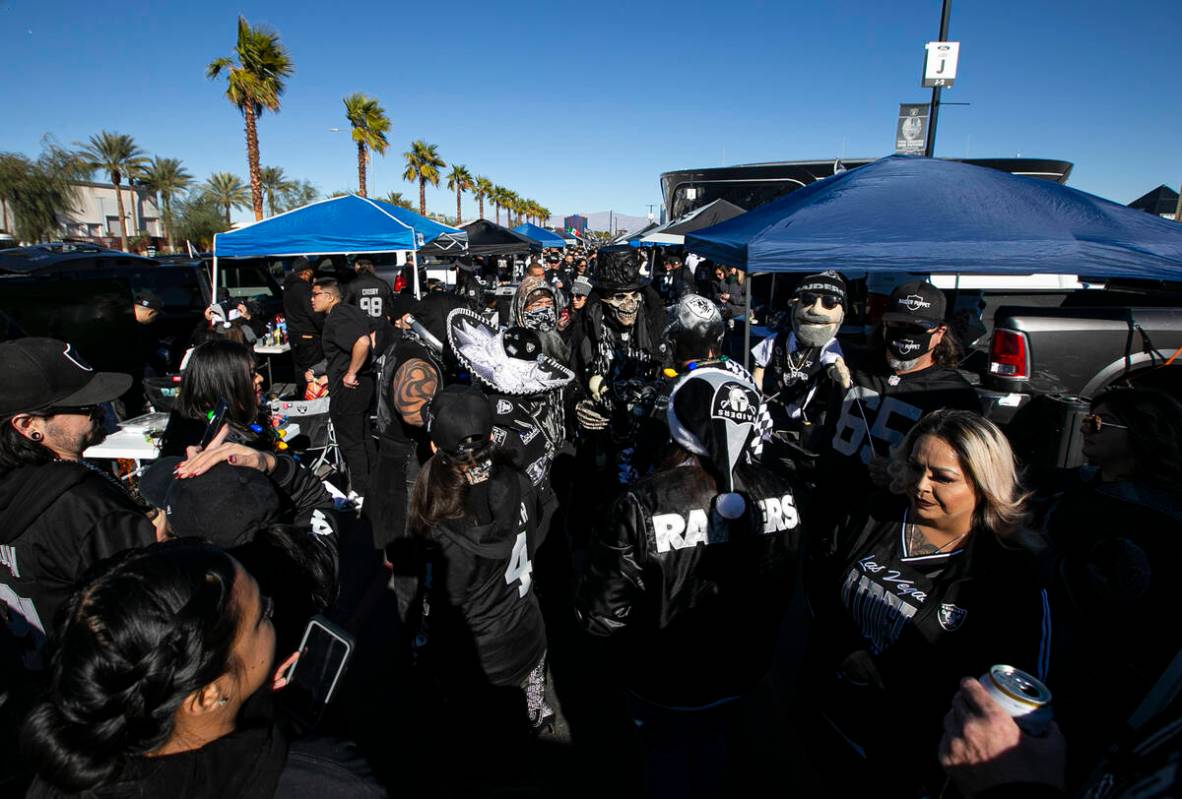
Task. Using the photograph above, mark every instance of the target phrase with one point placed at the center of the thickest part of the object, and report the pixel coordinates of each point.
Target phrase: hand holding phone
(316, 670)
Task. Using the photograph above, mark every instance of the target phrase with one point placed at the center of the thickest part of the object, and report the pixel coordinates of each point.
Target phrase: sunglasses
(828, 301)
(1094, 423)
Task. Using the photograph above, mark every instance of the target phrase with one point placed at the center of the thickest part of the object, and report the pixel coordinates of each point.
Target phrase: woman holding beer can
(929, 586)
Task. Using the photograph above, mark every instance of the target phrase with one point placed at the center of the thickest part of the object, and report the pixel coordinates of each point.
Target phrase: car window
(177, 288)
(245, 280)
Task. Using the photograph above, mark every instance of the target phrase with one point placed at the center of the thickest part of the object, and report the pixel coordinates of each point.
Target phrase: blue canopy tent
(909, 214)
(540, 235)
(346, 225)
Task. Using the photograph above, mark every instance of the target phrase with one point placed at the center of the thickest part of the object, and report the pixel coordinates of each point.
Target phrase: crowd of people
(570, 518)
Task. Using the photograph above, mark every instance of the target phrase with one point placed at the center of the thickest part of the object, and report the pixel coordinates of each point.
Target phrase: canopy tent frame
(416, 240)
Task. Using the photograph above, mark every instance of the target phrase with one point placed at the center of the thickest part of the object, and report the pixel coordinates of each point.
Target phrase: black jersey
(371, 294)
(926, 621)
(482, 594)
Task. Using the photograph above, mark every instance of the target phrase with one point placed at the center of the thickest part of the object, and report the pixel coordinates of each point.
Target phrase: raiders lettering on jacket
(675, 531)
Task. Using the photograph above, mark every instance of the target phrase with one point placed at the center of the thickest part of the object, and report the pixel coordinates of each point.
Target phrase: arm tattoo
(415, 383)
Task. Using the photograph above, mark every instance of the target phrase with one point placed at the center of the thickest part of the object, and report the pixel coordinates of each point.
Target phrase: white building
(95, 216)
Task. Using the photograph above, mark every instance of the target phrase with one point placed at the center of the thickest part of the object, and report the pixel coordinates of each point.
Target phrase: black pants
(349, 410)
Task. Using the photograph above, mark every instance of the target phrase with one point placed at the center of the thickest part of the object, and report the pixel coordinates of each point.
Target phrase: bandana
(541, 319)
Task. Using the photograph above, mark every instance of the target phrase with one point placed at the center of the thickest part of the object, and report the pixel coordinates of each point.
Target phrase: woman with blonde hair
(926, 588)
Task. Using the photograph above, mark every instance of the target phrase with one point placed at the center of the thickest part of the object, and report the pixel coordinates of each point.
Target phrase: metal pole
(213, 292)
(747, 326)
(930, 149)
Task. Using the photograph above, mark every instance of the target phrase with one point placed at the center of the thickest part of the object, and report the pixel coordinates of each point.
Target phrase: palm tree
(118, 156)
(499, 196)
(228, 191)
(396, 198)
(482, 188)
(512, 202)
(167, 177)
(275, 186)
(298, 194)
(370, 124)
(254, 83)
(423, 164)
(459, 180)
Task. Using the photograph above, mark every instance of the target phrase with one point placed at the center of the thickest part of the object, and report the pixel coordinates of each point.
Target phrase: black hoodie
(56, 521)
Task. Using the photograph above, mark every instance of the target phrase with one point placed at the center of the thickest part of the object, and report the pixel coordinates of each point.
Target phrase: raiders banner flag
(912, 132)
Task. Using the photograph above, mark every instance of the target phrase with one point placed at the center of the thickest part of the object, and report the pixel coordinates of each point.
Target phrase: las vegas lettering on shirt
(880, 610)
(677, 531)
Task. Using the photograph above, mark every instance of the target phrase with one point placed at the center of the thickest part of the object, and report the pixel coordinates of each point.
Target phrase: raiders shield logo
(735, 402)
(950, 616)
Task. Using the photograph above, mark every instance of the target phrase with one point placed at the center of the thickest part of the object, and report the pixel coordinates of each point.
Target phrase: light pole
(930, 148)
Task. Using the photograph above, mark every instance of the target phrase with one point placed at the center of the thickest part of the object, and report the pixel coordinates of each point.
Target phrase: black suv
(83, 293)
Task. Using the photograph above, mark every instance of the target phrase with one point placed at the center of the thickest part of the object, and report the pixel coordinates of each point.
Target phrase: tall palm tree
(167, 177)
(499, 197)
(481, 188)
(254, 83)
(228, 191)
(459, 180)
(119, 157)
(370, 125)
(423, 164)
(512, 203)
(275, 186)
(396, 198)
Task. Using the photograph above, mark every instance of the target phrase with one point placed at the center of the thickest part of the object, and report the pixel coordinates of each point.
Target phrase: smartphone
(215, 423)
(324, 654)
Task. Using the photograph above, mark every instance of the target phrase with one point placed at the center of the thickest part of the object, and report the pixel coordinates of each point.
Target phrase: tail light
(399, 284)
(1007, 354)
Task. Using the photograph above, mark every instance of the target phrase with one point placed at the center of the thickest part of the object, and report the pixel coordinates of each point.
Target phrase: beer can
(1022, 696)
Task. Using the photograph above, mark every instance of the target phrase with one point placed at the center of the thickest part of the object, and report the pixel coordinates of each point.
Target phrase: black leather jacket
(695, 600)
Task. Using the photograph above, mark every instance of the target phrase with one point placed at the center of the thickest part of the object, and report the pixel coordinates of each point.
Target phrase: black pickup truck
(1045, 362)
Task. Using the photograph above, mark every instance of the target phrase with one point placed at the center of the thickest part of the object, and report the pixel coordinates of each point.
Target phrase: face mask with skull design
(542, 319)
(623, 307)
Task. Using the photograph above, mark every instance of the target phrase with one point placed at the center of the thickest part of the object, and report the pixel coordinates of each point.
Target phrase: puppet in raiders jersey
(524, 384)
(618, 352)
(798, 369)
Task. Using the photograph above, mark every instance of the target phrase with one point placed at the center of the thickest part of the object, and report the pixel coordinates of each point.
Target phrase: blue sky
(582, 106)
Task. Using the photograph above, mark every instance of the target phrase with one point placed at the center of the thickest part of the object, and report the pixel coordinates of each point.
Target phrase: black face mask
(907, 345)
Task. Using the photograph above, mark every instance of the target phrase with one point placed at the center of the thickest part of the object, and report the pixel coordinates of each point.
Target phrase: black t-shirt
(343, 326)
(371, 294)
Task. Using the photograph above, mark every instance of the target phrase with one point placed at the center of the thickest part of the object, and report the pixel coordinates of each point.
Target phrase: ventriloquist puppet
(797, 369)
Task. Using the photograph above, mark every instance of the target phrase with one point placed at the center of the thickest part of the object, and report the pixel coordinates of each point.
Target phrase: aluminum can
(1022, 696)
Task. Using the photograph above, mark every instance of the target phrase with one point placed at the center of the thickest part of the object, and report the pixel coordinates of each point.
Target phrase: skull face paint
(623, 307)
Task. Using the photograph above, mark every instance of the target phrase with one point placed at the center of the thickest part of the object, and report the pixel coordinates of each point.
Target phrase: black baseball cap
(227, 505)
(916, 303)
(44, 373)
(457, 415)
(147, 299)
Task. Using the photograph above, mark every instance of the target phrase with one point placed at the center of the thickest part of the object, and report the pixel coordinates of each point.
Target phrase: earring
(223, 700)
(36, 436)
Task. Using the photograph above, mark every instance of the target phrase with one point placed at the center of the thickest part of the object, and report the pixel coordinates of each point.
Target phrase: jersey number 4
(371, 305)
(519, 566)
